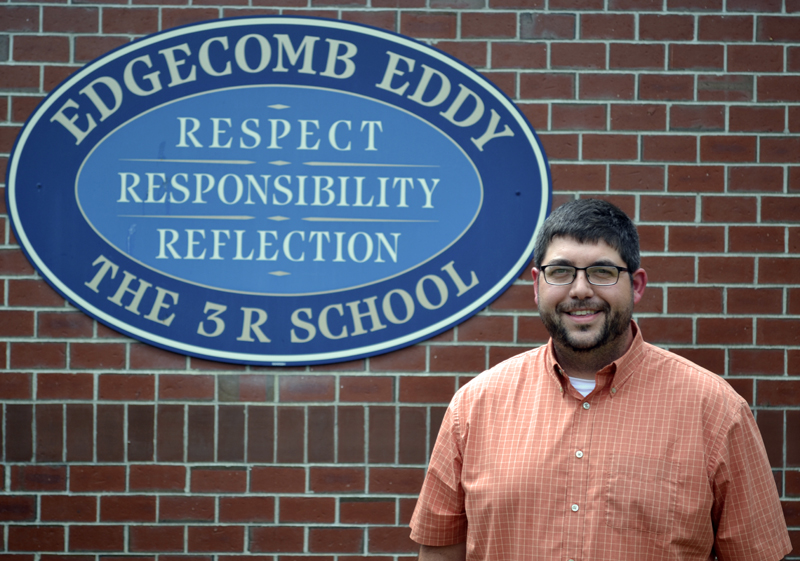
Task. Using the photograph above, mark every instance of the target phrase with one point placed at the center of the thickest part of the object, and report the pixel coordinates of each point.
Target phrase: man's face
(582, 317)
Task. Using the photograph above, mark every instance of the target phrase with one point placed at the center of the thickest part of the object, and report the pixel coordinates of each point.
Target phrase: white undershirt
(584, 387)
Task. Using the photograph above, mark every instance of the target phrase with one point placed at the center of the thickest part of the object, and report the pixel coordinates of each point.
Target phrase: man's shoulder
(687, 377)
(510, 372)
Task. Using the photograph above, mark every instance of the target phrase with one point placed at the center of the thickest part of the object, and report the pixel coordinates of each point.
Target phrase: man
(597, 446)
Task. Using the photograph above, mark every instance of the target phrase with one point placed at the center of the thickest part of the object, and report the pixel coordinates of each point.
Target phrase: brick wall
(683, 112)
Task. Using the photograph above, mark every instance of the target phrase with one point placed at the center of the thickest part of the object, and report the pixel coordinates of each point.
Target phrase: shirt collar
(621, 369)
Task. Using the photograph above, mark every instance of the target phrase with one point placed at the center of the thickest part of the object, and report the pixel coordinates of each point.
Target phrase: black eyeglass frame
(586, 272)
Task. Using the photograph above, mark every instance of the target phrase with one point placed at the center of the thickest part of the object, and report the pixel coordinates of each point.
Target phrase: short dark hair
(590, 221)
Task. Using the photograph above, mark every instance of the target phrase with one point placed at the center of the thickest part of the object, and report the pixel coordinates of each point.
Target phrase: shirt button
(579, 454)
(613, 390)
(586, 405)
(575, 508)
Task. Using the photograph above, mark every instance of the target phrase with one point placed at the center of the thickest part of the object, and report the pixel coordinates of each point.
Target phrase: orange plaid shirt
(662, 461)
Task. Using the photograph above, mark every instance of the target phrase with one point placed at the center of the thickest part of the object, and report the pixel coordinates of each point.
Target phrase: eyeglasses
(598, 275)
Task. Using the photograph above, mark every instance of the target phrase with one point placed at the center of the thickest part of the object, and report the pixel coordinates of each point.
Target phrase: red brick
(577, 177)
(777, 392)
(725, 28)
(22, 78)
(228, 539)
(639, 117)
(429, 389)
(755, 301)
(517, 297)
(778, 88)
(666, 27)
(336, 480)
(667, 209)
(607, 86)
(371, 388)
(335, 540)
(383, 20)
(486, 328)
(383, 539)
(516, 55)
(669, 148)
(17, 509)
(756, 239)
(697, 117)
(560, 146)
(726, 270)
(148, 477)
(127, 508)
(697, 239)
(725, 331)
(35, 538)
(91, 47)
(318, 510)
(38, 478)
(19, 18)
(64, 324)
(156, 539)
(277, 480)
(636, 56)
(756, 361)
(667, 330)
(135, 21)
(366, 511)
(547, 26)
(96, 538)
(610, 147)
(15, 385)
(664, 87)
(756, 119)
(755, 58)
(547, 86)
(781, 270)
(652, 238)
(147, 357)
(695, 5)
(696, 57)
(729, 209)
(29, 292)
(218, 480)
(607, 26)
(457, 358)
(247, 509)
(88, 479)
(395, 480)
(62, 19)
(724, 87)
(97, 356)
(65, 508)
(276, 539)
(193, 387)
(41, 48)
(778, 28)
(693, 179)
(578, 55)
(694, 300)
(780, 209)
(779, 149)
(306, 388)
(728, 148)
(186, 509)
(38, 355)
(486, 24)
(428, 25)
(127, 387)
(173, 17)
(578, 117)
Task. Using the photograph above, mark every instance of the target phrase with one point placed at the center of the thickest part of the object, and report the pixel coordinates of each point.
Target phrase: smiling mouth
(583, 312)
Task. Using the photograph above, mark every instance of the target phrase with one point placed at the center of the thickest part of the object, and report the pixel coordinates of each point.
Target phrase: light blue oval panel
(264, 180)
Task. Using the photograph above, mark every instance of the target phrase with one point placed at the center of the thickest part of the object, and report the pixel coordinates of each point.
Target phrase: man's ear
(639, 282)
(535, 274)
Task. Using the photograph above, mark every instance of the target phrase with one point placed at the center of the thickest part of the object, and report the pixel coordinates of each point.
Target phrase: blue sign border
(69, 254)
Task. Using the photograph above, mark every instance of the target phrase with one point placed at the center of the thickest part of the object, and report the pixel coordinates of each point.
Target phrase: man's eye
(602, 272)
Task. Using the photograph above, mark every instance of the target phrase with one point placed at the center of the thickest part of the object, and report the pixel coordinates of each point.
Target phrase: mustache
(566, 307)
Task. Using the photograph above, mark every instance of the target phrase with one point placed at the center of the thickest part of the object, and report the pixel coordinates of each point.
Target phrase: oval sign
(278, 190)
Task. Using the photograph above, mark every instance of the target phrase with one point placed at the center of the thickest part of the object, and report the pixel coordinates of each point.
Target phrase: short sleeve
(747, 513)
(440, 518)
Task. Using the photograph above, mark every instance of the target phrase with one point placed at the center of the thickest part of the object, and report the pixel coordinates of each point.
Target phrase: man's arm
(457, 552)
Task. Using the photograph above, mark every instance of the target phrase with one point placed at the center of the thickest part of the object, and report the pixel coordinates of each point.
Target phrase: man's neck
(586, 364)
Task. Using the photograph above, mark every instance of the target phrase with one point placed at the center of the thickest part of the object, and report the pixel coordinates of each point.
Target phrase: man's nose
(580, 287)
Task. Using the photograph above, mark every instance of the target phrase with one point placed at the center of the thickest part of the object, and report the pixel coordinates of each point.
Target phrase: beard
(614, 327)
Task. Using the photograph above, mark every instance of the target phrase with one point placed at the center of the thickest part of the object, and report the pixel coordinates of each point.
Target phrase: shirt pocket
(641, 494)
